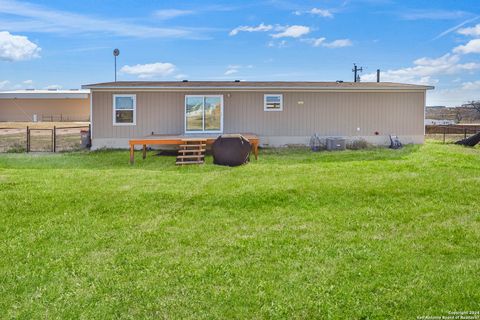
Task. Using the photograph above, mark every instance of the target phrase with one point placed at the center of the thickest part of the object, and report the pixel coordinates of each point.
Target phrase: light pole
(116, 52)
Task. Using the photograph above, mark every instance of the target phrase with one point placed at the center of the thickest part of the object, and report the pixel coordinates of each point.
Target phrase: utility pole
(356, 70)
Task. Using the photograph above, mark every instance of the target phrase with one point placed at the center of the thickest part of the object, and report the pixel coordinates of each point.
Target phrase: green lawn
(376, 234)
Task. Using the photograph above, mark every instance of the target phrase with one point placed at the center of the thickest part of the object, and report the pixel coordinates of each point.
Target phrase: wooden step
(193, 145)
(194, 140)
(191, 150)
(189, 162)
(191, 156)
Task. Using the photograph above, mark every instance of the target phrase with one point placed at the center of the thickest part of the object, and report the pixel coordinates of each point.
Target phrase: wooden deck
(180, 139)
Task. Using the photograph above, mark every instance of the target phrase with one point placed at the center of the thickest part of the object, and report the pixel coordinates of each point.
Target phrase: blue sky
(64, 44)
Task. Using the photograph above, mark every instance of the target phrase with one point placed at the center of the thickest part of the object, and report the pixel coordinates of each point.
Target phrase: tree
(474, 104)
(458, 114)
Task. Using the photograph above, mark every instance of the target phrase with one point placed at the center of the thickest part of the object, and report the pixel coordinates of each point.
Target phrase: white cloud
(181, 76)
(428, 71)
(340, 43)
(35, 18)
(17, 48)
(171, 13)
(472, 85)
(149, 70)
(455, 28)
(452, 97)
(425, 69)
(260, 28)
(165, 14)
(230, 71)
(4, 84)
(28, 82)
(235, 68)
(53, 87)
(320, 42)
(294, 31)
(430, 14)
(472, 31)
(316, 11)
(322, 12)
(445, 60)
(316, 42)
(472, 46)
(277, 44)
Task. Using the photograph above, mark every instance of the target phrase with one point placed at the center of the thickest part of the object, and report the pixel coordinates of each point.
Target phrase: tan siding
(327, 113)
(24, 109)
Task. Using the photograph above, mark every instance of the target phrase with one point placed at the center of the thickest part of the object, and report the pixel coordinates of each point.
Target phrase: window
(124, 109)
(203, 114)
(272, 102)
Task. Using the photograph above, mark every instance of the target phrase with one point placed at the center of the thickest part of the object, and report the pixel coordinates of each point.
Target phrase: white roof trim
(45, 94)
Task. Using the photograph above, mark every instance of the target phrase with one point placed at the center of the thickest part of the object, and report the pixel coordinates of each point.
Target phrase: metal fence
(450, 133)
(60, 118)
(54, 139)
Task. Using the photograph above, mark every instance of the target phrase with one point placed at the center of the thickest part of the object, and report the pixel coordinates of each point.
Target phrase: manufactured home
(45, 105)
(278, 113)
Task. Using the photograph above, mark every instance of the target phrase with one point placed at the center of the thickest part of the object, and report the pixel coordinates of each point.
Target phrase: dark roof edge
(412, 87)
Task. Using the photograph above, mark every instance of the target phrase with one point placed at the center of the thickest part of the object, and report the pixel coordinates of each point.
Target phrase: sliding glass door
(203, 114)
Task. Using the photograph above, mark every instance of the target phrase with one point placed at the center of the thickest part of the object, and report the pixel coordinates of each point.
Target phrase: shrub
(358, 144)
(17, 148)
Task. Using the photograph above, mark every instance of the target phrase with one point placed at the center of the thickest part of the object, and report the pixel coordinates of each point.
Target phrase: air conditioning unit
(336, 144)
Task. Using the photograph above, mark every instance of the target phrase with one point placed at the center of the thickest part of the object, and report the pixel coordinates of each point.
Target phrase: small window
(124, 109)
(273, 102)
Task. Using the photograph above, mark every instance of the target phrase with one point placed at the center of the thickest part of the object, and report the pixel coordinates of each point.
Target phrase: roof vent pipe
(378, 75)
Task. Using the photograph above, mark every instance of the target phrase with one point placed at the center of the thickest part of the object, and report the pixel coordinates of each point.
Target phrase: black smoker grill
(231, 150)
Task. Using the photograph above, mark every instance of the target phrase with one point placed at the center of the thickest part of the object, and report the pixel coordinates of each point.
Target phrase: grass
(372, 234)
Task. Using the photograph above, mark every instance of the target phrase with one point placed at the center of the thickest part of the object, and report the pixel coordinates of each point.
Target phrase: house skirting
(272, 141)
